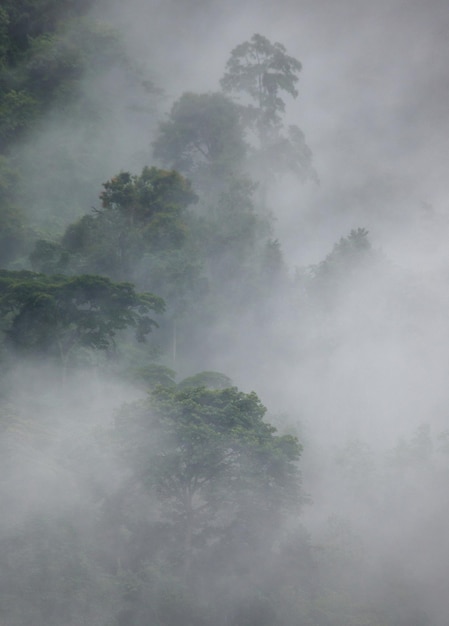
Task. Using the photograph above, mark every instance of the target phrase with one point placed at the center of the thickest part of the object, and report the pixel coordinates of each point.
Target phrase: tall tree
(260, 72)
(350, 257)
(141, 234)
(219, 470)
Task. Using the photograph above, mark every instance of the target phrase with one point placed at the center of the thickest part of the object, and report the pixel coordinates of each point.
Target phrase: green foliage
(28, 19)
(52, 60)
(211, 380)
(286, 152)
(4, 39)
(197, 507)
(232, 229)
(237, 222)
(141, 234)
(140, 215)
(48, 573)
(14, 234)
(9, 178)
(48, 257)
(243, 264)
(205, 135)
(350, 256)
(176, 274)
(415, 453)
(151, 201)
(54, 315)
(346, 253)
(152, 375)
(212, 461)
(45, 52)
(94, 245)
(272, 262)
(262, 70)
(202, 137)
(17, 110)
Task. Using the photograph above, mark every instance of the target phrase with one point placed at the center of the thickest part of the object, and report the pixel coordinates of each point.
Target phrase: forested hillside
(148, 313)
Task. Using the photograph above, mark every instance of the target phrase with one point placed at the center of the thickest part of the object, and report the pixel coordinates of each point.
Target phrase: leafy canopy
(262, 70)
(203, 132)
(55, 314)
(140, 215)
(142, 198)
(210, 456)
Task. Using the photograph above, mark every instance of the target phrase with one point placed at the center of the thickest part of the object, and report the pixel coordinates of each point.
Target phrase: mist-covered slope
(223, 295)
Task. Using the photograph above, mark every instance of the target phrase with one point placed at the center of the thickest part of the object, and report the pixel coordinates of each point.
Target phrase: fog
(357, 369)
(371, 103)
(372, 89)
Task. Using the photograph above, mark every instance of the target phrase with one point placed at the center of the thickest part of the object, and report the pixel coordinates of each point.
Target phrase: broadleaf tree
(218, 469)
(140, 214)
(55, 315)
(260, 73)
(202, 137)
(262, 70)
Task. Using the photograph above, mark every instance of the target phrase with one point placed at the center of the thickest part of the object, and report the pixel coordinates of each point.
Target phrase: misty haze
(224, 294)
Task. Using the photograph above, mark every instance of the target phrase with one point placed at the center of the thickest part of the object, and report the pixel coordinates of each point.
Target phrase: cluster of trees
(203, 478)
(180, 507)
(198, 234)
(46, 46)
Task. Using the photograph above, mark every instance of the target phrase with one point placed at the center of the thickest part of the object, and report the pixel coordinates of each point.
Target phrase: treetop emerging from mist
(262, 70)
(141, 197)
(239, 131)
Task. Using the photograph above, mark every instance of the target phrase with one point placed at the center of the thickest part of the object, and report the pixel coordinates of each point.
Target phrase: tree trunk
(174, 346)
(188, 533)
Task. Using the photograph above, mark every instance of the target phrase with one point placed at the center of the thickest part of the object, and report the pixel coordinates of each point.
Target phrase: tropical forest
(223, 337)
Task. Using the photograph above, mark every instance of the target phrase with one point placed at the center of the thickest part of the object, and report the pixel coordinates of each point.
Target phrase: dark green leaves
(55, 314)
(141, 215)
(209, 444)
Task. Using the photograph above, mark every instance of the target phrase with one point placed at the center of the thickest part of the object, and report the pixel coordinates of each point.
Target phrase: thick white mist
(356, 376)
(374, 368)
